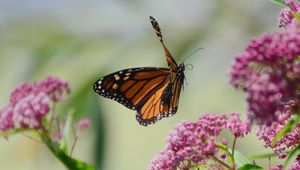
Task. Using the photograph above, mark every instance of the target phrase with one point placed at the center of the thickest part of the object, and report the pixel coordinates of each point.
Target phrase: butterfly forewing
(171, 62)
(130, 86)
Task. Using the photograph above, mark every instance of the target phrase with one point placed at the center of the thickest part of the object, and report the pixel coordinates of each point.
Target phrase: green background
(80, 41)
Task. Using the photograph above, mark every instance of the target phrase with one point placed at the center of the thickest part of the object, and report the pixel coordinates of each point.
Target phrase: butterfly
(152, 91)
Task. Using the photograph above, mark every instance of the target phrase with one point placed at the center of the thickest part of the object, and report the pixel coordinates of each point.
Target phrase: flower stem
(73, 146)
(233, 146)
(222, 163)
(32, 138)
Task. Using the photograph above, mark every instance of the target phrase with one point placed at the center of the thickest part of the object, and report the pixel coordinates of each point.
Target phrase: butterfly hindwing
(153, 109)
(162, 103)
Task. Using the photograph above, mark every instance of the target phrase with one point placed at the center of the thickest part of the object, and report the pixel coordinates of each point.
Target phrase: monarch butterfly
(152, 91)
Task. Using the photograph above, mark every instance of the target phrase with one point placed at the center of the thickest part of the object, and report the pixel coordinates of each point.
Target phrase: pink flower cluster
(268, 72)
(192, 143)
(279, 167)
(286, 17)
(296, 164)
(29, 103)
(289, 141)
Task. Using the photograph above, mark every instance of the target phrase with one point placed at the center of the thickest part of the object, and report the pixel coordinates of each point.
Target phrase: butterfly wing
(171, 62)
(163, 102)
(131, 87)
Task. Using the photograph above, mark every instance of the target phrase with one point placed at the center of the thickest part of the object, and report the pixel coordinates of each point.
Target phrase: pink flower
(81, 126)
(6, 122)
(29, 103)
(194, 142)
(289, 1)
(29, 111)
(84, 123)
(268, 72)
(55, 88)
(296, 164)
(223, 155)
(224, 141)
(285, 16)
(267, 132)
(238, 127)
(165, 160)
(20, 92)
(282, 155)
(278, 167)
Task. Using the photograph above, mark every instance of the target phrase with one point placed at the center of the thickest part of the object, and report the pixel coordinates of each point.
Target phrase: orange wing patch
(147, 88)
(153, 110)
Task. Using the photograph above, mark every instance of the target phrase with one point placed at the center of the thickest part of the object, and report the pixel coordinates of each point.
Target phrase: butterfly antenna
(200, 48)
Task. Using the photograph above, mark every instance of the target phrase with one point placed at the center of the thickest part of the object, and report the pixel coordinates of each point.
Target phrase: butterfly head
(181, 68)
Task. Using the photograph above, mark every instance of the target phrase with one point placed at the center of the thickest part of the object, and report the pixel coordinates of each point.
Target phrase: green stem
(222, 163)
(233, 146)
(73, 146)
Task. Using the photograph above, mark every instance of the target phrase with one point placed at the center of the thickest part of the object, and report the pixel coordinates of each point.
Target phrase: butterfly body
(152, 91)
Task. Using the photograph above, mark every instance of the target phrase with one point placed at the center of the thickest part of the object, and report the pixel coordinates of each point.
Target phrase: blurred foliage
(69, 162)
(82, 41)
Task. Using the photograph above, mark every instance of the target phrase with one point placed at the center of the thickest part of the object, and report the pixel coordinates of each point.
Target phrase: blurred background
(80, 41)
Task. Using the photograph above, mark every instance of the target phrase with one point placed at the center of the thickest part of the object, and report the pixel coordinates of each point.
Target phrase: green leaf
(292, 154)
(287, 128)
(240, 159)
(279, 2)
(15, 131)
(297, 17)
(67, 131)
(263, 156)
(198, 167)
(228, 151)
(70, 163)
(250, 167)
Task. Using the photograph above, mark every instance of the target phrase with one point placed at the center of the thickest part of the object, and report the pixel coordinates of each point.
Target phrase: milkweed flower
(20, 92)
(296, 164)
(31, 108)
(55, 88)
(238, 127)
(82, 125)
(285, 16)
(267, 132)
(278, 167)
(193, 143)
(6, 121)
(268, 72)
(29, 111)
(30, 103)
